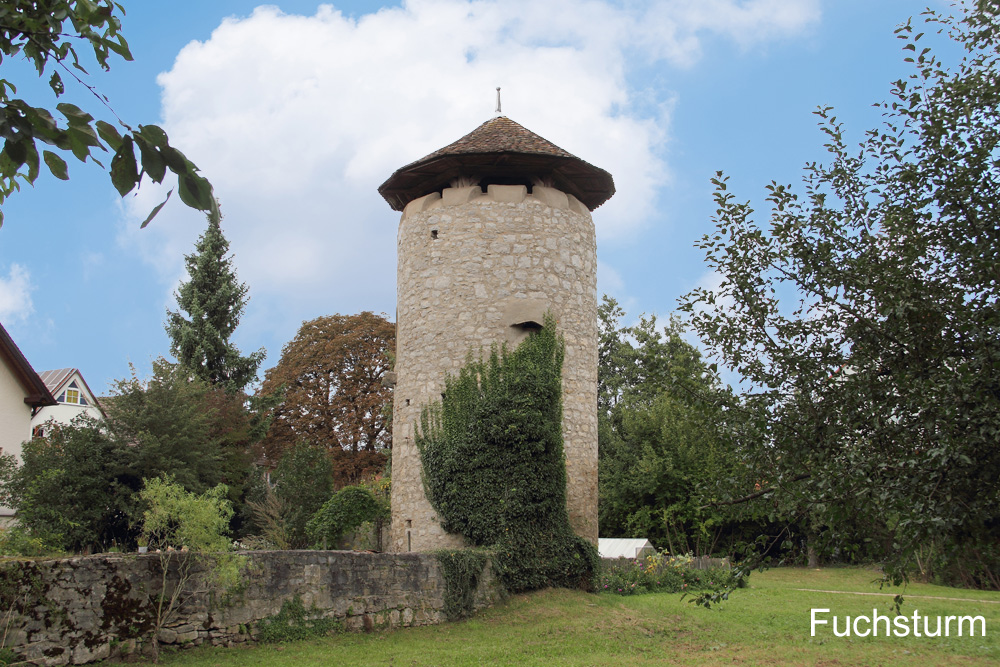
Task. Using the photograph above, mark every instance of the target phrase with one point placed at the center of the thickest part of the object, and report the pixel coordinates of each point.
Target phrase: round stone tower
(495, 231)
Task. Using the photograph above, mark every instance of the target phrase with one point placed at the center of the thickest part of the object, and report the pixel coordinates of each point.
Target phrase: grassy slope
(767, 624)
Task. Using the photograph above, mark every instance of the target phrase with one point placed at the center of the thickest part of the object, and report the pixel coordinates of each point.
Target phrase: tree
(44, 32)
(303, 481)
(74, 487)
(77, 485)
(876, 394)
(168, 422)
(214, 300)
(186, 530)
(346, 510)
(334, 397)
(663, 432)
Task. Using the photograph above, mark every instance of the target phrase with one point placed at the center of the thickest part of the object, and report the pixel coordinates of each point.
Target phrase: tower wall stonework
(472, 266)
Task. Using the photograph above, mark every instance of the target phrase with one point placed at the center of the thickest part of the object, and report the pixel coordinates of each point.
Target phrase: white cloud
(297, 120)
(15, 294)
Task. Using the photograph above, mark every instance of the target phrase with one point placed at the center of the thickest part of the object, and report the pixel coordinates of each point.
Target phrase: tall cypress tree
(213, 300)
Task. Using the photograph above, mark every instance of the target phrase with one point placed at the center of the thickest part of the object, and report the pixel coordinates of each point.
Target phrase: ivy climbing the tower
(493, 465)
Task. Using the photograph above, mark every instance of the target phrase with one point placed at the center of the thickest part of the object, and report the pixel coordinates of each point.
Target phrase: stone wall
(472, 268)
(78, 610)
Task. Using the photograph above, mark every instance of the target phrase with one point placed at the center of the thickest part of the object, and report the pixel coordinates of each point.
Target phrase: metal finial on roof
(498, 100)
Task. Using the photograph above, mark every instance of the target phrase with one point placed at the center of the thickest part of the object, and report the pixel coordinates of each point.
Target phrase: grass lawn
(767, 624)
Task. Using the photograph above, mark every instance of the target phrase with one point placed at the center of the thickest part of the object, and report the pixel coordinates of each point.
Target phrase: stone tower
(495, 231)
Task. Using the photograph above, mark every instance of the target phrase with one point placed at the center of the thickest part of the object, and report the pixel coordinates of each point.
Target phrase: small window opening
(519, 331)
(407, 401)
(434, 234)
(528, 327)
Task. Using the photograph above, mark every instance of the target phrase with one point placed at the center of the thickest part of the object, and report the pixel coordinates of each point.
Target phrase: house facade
(22, 395)
(72, 399)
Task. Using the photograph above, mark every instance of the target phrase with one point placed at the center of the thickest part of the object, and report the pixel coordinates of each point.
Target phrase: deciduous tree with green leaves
(46, 33)
(187, 532)
(865, 316)
(210, 304)
(303, 481)
(664, 431)
(74, 487)
(167, 420)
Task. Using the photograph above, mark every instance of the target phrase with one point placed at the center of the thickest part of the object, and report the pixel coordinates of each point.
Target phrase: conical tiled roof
(499, 150)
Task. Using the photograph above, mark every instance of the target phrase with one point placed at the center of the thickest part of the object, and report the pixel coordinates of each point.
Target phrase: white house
(22, 394)
(73, 398)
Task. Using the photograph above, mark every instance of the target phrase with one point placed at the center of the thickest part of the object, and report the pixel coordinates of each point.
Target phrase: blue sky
(297, 111)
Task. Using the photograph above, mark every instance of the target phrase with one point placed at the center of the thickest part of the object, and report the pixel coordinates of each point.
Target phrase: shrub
(345, 511)
(181, 526)
(22, 541)
(492, 455)
(660, 573)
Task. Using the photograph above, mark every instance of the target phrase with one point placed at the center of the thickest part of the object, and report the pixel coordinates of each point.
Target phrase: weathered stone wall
(472, 266)
(78, 610)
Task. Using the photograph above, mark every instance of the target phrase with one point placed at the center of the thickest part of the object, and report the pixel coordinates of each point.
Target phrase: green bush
(660, 573)
(345, 511)
(22, 541)
(492, 455)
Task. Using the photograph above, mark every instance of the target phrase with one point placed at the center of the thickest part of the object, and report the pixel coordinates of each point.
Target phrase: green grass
(767, 624)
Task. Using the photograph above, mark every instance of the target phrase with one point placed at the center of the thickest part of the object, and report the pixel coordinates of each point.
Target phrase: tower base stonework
(474, 270)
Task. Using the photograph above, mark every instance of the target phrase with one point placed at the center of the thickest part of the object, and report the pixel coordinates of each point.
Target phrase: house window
(72, 395)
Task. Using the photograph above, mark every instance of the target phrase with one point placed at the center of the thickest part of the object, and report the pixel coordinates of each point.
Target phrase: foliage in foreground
(876, 394)
(46, 32)
(663, 430)
(492, 456)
